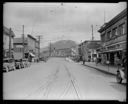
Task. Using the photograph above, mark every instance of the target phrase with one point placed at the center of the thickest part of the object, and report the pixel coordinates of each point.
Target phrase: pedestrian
(117, 61)
(83, 59)
(97, 61)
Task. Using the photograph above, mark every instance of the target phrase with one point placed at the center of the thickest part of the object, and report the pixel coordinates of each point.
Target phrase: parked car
(43, 59)
(17, 64)
(21, 63)
(5, 65)
(8, 64)
(25, 62)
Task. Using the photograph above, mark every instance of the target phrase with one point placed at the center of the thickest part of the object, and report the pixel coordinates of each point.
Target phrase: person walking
(83, 59)
(117, 61)
(96, 60)
(124, 65)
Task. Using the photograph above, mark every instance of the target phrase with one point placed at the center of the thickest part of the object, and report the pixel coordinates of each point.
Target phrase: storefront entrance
(112, 58)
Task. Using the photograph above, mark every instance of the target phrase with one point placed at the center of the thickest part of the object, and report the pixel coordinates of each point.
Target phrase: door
(112, 58)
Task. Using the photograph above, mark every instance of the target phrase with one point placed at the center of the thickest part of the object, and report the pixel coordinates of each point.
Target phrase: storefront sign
(118, 39)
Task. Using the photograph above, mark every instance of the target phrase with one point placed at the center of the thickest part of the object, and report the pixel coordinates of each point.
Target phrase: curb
(101, 70)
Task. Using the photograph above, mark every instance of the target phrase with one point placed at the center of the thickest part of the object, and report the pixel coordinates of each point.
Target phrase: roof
(114, 20)
(93, 45)
(89, 41)
(7, 31)
(30, 36)
(19, 40)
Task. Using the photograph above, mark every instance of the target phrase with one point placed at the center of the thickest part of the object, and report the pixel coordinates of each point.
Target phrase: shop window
(26, 55)
(122, 29)
(114, 32)
(108, 35)
(103, 37)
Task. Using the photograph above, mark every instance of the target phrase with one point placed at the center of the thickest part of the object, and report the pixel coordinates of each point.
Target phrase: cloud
(73, 20)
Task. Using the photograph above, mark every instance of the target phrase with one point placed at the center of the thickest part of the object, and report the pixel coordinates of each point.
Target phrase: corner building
(113, 37)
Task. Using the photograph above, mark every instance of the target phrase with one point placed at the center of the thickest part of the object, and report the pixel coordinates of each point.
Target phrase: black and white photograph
(64, 51)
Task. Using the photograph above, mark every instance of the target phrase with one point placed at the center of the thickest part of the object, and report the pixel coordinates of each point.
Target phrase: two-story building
(87, 49)
(74, 50)
(18, 47)
(37, 49)
(113, 37)
(7, 33)
(31, 47)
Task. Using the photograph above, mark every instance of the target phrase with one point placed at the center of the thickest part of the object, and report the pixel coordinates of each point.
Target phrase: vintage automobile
(25, 63)
(17, 64)
(8, 64)
(43, 59)
(5, 65)
(22, 63)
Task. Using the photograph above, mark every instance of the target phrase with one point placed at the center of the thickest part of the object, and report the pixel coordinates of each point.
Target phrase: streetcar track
(66, 89)
(73, 81)
(44, 87)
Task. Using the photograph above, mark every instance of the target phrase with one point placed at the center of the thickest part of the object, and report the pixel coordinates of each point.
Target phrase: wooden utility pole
(92, 33)
(23, 40)
(10, 42)
(39, 38)
(92, 40)
(50, 49)
(104, 17)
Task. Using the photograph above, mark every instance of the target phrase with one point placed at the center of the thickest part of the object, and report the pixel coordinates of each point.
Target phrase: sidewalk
(104, 68)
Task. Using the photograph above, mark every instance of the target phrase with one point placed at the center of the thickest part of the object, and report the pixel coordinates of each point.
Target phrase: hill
(61, 44)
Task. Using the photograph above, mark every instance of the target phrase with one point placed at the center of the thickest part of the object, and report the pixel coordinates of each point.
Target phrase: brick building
(113, 37)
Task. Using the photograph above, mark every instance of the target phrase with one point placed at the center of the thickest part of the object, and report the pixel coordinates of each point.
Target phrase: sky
(59, 21)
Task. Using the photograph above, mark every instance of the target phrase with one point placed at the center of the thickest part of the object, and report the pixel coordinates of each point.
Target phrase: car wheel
(118, 77)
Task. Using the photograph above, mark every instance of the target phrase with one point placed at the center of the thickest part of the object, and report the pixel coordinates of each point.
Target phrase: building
(18, 47)
(87, 49)
(31, 46)
(7, 33)
(61, 52)
(37, 49)
(113, 37)
(74, 51)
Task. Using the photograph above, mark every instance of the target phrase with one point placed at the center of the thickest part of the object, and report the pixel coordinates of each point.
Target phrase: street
(59, 78)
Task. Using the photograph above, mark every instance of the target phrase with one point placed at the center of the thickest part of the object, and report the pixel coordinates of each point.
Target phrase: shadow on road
(98, 72)
(120, 87)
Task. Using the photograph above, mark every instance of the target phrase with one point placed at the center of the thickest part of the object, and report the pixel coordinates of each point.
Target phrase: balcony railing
(117, 39)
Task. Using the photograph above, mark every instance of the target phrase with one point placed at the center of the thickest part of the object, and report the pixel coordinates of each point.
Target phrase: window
(108, 35)
(114, 32)
(103, 37)
(122, 29)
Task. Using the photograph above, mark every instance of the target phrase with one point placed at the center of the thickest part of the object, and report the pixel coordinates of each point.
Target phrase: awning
(32, 54)
(112, 51)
